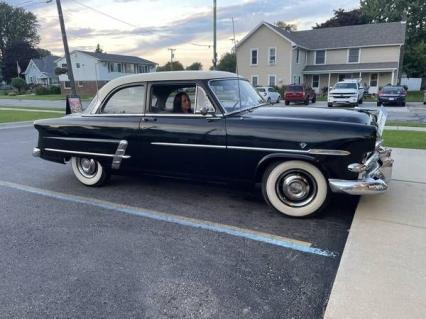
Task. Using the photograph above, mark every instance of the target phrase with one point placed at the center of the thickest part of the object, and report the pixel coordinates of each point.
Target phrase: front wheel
(294, 188)
(330, 104)
(88, 171)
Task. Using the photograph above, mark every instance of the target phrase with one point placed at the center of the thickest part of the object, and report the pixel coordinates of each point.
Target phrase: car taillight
(380, 93)
(403, 93)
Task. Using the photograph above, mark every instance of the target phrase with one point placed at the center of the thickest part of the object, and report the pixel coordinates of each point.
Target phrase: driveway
(145, 247)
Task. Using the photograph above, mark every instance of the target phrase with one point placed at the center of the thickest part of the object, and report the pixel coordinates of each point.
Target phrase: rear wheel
(287, 102)
(294, 188)
(314, 99)
(360, 101)
(89, 171)
(306, 102)
(330, 104)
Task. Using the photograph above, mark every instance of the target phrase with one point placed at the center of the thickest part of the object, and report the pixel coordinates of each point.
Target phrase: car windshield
(345, 86)
(295, 88)
(235, 95)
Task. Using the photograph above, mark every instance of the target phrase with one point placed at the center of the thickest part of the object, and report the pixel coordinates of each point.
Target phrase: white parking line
(30, 110)
(284, 242)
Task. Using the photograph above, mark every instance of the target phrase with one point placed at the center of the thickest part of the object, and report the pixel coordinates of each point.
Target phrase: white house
(92, 70)
(42, 71)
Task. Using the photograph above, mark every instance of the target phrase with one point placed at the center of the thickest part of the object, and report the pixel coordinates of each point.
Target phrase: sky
(147, 28)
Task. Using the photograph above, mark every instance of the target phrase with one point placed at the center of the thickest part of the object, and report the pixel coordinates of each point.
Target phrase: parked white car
(346, 92)
(269, 94)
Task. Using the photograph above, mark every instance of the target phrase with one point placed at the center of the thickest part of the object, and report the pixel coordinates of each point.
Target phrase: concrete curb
(405, 128)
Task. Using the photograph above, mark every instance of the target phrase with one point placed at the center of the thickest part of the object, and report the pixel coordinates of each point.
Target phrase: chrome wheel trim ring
(296, 188)
(87, 167)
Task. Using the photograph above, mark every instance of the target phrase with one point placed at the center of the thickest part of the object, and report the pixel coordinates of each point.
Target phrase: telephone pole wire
(172, 55)
(66, 49)
(214, 36)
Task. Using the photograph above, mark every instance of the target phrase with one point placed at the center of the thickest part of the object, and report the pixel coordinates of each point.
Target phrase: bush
(41, 90)
(55, 90)
(12, 93)
(19, 84)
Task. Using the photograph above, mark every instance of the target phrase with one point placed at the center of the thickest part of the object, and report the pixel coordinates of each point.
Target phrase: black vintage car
(215, 126)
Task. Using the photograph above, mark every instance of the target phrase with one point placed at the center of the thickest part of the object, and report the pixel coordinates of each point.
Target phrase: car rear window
(295, 88)
(261, 90)
(392, 90)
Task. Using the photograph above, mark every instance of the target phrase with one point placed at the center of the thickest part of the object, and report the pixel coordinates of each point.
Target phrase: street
(155, 247)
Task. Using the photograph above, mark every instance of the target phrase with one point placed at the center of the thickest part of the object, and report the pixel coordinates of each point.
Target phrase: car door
(184, 144)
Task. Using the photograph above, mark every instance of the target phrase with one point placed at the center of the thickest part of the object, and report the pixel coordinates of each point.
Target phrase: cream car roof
(163, 76)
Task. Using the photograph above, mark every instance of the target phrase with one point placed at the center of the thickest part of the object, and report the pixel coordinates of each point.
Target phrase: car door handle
(150, 119)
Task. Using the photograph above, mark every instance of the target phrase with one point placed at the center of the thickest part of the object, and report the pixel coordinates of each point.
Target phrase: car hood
(310, 113)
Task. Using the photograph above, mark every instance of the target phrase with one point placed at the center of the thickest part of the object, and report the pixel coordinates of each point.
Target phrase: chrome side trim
(262, 149)
(311, 151)
(84, 153)
(189, 145)
(76, 139)
(36, 152)
(119, 154)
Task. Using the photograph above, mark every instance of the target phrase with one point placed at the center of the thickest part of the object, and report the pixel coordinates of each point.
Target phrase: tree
(227, 62)
(177, 66)
(20, 52)
(194, 66)
(286, 26)
(414, 12)
(99, 49)
(343, 18)
(43, 52)
(16, 24)
(19, 84)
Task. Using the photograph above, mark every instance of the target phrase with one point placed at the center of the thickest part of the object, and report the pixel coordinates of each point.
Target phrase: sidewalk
(382, 273)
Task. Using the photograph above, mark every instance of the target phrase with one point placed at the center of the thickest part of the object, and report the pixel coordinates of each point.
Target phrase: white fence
(413, 84)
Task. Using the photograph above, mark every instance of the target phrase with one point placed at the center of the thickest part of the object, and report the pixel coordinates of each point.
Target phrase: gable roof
(377, 34)
(118, 58)
(45, 64)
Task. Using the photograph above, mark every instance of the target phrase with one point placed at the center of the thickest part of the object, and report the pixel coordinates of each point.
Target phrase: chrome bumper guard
(36, 152)
(374, 175)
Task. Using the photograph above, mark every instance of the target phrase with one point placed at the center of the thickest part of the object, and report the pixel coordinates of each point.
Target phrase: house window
(320, 57)
(80, 83)
(315, 81)
(299, 79)
(110, 67)
(67, 85)
(272, 81)
(297, 55)
(373, 80)
(64, 65)
(77, 65)
(294, 79)
(119, 68)
(272, 56)
(253, 57)
(353, 55)
(255, 80)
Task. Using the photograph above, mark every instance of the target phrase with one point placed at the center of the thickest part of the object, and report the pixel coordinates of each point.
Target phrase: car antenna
(236, 61)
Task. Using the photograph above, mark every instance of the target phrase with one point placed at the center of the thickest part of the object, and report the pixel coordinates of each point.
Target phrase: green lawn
(404, 123)
(50, 97)
(17, 116)
(405, 139)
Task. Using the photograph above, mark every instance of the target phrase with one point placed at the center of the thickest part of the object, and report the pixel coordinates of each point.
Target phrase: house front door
(374, 80)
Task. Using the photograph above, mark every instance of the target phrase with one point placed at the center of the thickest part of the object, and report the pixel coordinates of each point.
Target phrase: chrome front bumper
(374, 175)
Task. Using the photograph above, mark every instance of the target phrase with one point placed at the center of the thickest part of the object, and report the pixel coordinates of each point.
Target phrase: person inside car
(182, 103)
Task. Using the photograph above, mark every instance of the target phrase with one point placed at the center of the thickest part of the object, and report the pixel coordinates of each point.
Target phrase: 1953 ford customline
(299, 155)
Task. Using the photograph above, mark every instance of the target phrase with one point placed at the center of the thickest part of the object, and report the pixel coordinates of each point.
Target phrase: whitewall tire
(88, 171)
(294, 188)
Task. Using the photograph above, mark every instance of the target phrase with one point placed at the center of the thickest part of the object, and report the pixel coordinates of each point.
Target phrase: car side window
(128, 100)
(271, 90)
(172, 98)
(202, 100)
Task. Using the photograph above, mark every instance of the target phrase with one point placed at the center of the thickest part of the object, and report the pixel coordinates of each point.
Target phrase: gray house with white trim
(42, 71)
(269, 55)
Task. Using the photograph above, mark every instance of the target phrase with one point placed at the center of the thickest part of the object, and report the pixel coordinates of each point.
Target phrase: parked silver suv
(346, 92)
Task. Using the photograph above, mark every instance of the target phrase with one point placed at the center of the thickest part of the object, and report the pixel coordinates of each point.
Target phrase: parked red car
(299, 93)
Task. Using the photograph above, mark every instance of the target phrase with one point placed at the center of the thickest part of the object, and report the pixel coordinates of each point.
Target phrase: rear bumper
(391, 100)
(375, 175)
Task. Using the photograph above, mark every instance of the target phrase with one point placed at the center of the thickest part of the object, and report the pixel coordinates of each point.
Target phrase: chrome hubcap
(87, 167)
(296, 188)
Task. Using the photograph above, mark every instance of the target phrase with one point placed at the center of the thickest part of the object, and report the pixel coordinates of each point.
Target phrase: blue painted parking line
(180, 220)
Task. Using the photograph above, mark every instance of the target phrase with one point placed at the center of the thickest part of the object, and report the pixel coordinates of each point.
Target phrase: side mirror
(204, 110)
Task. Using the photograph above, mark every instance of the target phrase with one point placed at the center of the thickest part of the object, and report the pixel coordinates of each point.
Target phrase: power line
(105, 14)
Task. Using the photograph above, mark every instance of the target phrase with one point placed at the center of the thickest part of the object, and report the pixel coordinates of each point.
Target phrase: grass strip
(18, 116)
(405, 139)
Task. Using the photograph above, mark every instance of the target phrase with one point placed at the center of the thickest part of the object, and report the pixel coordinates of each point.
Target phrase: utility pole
(172, 55)
(66, 49)
(214, 36)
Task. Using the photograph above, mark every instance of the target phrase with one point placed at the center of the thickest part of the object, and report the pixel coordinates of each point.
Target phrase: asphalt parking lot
(144, 247)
